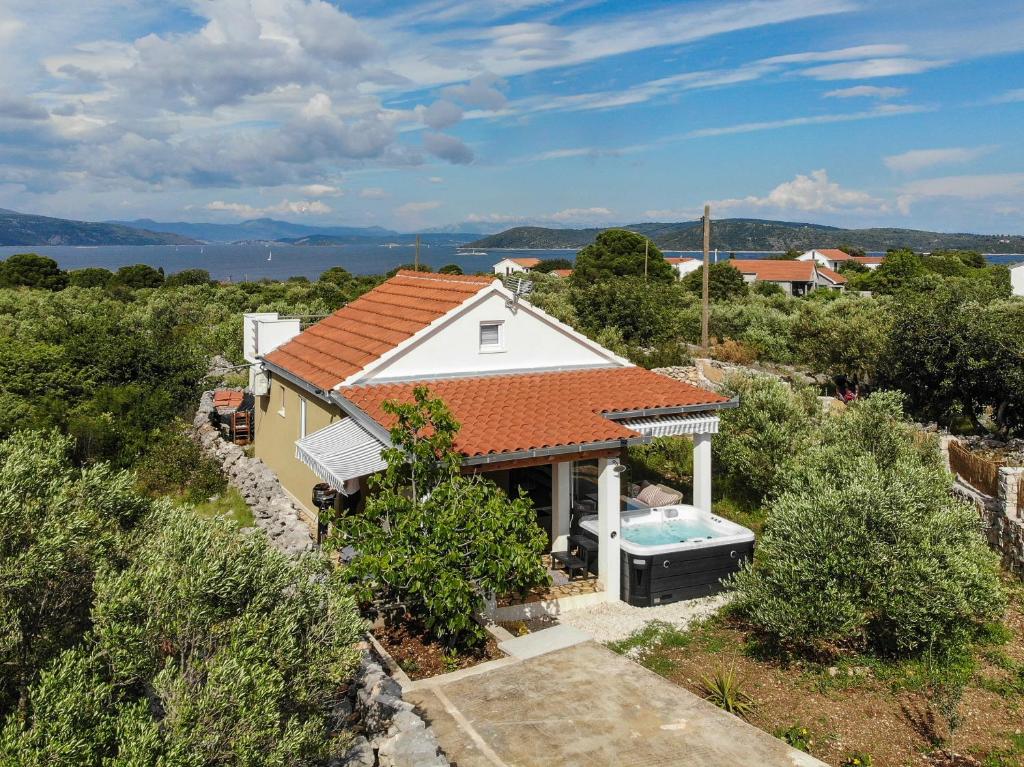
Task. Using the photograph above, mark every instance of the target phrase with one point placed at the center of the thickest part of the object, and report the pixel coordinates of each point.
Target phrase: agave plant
(725, 691)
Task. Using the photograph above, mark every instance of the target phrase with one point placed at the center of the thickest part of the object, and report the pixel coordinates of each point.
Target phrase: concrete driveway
(584, 705)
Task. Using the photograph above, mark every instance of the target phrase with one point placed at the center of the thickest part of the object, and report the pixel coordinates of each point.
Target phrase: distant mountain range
(26, 229)
(257, 229)
(751, 234)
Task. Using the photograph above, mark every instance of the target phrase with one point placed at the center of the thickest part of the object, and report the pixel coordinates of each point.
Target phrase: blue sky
(500, 112)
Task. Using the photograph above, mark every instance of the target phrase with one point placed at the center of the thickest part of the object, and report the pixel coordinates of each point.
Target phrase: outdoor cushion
(659, 495)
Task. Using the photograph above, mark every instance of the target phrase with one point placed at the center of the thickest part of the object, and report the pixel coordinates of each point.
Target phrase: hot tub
(671, 553)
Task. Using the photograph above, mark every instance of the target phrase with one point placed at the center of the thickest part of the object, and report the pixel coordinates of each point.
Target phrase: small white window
(491, 337)
(302, 417)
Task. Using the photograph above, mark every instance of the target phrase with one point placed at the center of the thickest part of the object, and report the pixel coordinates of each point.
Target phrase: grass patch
(228, 504)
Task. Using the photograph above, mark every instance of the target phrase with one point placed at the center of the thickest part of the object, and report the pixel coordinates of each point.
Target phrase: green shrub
(642, 311)
(432, 543)
(866, 549)
(175, 465)
(760, 440)
(208, 648)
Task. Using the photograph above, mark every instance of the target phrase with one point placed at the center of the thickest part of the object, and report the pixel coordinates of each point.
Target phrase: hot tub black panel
(664, 578)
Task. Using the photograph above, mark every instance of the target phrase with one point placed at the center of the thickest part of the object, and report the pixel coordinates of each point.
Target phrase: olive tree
(866, 549)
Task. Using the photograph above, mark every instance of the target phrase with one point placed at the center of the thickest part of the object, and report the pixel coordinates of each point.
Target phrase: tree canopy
(434, 543)
(621, 253)
(30, 270)
(724, 281)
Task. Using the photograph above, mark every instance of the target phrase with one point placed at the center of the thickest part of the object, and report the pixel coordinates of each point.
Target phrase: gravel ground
(612, 621)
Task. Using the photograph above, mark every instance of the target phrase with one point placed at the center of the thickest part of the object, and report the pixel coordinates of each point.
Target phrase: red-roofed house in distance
(830, 258)
(542, 409)
(684, 265)
(509, 266)
(796, 278)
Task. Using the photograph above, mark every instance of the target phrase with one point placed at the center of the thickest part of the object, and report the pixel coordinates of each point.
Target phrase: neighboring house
(684, 266)
(542, 408)
(1017, 279)
(511, 265)
(561, 272)
(796, 278)
(830, 258)
(871, 262)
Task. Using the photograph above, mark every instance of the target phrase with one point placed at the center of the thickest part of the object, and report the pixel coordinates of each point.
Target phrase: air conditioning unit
(259, 381)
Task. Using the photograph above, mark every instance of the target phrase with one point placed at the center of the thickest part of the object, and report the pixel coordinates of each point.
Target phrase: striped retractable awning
(671, 425)
(344, 450)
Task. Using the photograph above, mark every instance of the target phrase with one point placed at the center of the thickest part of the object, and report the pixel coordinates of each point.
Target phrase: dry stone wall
(273, 510)
(393, 734)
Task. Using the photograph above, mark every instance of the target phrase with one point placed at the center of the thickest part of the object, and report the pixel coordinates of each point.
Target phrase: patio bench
(568, 562)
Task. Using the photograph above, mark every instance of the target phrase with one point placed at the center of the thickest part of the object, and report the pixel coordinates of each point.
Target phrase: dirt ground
(421, 657)
(875, 709)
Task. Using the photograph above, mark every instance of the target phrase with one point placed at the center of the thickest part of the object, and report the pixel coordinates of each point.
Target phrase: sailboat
(270, 254)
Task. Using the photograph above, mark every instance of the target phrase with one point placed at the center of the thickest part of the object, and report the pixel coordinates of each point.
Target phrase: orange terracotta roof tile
(869, 259)
(528, 411)
(528, 263)
(835, 254)
(836, 277)
(679, 259)
(561, 272)
(776, 270)
(228, 398)
(345, 342)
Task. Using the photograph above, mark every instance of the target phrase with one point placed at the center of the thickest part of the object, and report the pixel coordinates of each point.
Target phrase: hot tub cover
(342, 451)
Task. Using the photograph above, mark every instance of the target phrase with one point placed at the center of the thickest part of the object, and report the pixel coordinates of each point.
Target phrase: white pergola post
(702, 471)
(561, 489)
(608, 502)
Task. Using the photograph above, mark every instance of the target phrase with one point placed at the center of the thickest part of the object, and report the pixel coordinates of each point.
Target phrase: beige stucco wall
(278, 419)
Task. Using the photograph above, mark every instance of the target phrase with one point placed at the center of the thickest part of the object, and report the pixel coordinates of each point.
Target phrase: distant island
(751, 234)
(257, 229)
(27, 229)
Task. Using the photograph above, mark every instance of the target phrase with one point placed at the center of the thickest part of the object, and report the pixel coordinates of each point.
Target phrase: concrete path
(584, 705)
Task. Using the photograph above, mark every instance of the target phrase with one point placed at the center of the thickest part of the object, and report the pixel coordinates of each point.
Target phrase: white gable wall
(1017, 279)
(529, 341)
(508, 266)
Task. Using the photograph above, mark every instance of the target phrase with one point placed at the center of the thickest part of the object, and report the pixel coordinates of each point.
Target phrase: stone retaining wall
(273, 510)
(1004, 528)
(393, 734)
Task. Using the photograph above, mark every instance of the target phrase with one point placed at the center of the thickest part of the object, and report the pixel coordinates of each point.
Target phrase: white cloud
(244, 210)
(322, 190)
(372, 193)
(481, 91)
(841, 54)
(919, 159)
(813, 193)
(969, 187)
(447, 148)
(886, 110)
(1010, 97)
(415, 208)
(581, 214)
(860, 70)
(867, 91)
(441, 114)
(435, 180)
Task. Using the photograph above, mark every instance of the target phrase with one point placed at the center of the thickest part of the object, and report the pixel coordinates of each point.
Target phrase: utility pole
(417, 262)
(704, 291)
(647, 243)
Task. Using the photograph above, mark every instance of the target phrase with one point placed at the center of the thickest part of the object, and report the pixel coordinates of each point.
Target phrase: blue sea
(250, 262)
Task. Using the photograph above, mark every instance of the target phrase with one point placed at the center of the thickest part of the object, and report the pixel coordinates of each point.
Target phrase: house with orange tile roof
(830, 258)
(871, 262)
(795, 277)
(541, 407)
(509, 266)
(684, 265)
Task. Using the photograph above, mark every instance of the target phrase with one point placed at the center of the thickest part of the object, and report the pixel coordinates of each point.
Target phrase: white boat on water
(470, 252)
